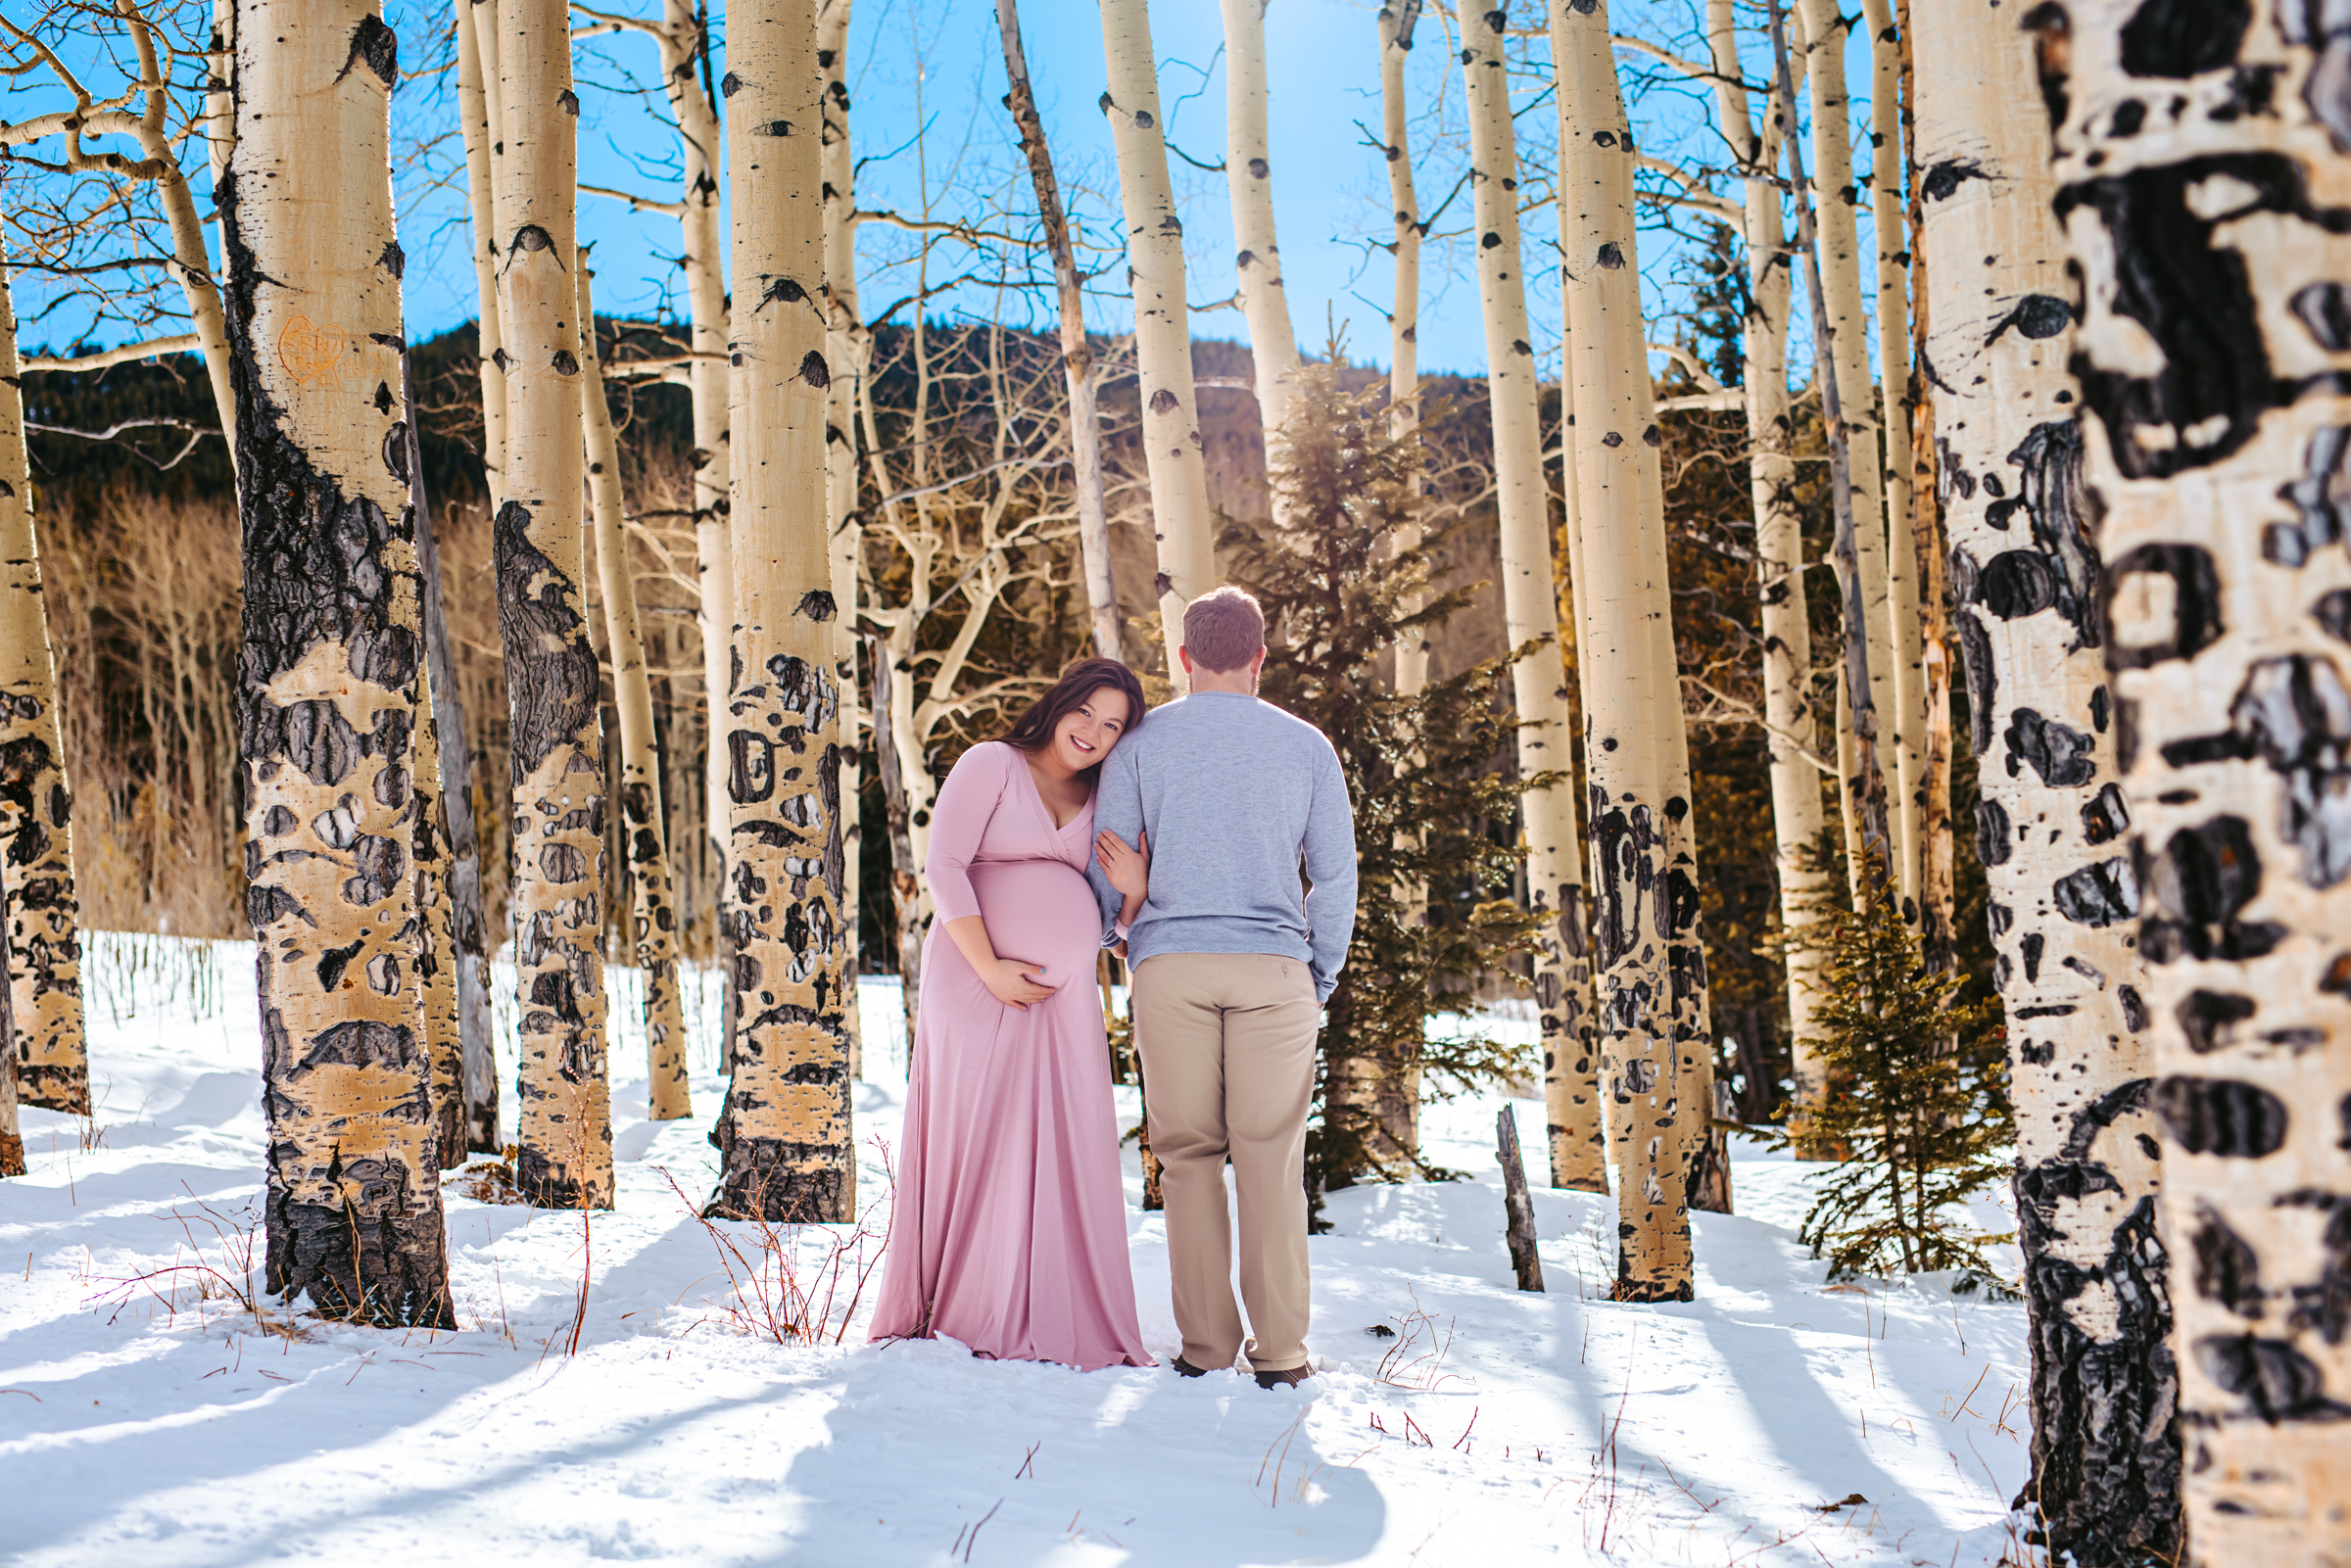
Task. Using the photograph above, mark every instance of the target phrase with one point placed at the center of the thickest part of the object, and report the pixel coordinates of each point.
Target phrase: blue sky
(927, 78)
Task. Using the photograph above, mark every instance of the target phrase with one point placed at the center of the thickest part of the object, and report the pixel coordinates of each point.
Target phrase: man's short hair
(1225, 629)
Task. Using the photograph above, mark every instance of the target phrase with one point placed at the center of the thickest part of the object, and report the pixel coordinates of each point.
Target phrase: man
(1232, 966)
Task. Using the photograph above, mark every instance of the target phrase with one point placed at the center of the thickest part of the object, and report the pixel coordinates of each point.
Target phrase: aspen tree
(46, 1055)
(683, 46)
(435, 935)
(1790, 726)
(1530, 613)
(1163, 339)
(643, 828)
(2209, 236)
(784, 1131)
(1076, 353)
(1257, 263)
(1836, 198)
(1631, 693)
(1904, 571)
(1861, 784)
(2052, 815)
(1397, 20)
(480, 126)
(1396, 1101)
(332, 649)
(476, 97)
(1937, 855)
(539, 555)
(12, 1138)
(848, 348)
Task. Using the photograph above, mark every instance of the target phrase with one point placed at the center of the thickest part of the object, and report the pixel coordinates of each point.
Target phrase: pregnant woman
(1011, 1227)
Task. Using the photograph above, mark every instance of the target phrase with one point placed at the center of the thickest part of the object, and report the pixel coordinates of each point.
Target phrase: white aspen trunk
(847, 348)
(1531, 612)
(190, 265)
(702, 248)
(1076, 353)
(1396, 24)
(46, 1058)
(564, 1096)
(1632, 710)
(2209, 240)
(1861, 785)
(11, 1136)
(220, 119)
(1907, 736)
(643, 825)
(479, 126)
(476, 123)
(1680, 915)
(1257, 257)
(1790, 726)
(785, 1133)
(1398, 1104)
(1163, 340)
(2050, 819)
(1834, 198)
(333, 641)
(435, 938)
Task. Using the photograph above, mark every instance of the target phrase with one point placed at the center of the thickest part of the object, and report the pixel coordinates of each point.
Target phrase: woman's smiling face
(1087, 732)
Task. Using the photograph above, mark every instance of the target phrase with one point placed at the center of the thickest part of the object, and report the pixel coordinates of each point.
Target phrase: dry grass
(795, 1284)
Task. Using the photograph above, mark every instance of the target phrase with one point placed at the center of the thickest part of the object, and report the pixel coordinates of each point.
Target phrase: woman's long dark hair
(1033, 731)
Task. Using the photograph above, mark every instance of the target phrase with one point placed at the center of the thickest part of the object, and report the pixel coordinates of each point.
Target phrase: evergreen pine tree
(1425, 773)
(1924, 1126)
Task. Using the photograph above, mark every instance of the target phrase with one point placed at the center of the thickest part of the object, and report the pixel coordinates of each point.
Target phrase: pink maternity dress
(1011, 1227)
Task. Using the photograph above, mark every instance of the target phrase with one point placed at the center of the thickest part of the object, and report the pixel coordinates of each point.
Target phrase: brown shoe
(1289, 1377)
(1184, 1368)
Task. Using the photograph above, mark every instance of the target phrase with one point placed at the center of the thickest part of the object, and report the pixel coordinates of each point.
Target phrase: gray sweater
(1234, 793)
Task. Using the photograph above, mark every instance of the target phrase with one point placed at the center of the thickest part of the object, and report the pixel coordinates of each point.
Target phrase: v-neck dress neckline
(1036, 792)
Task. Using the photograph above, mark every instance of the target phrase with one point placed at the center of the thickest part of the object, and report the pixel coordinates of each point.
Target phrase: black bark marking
(2196, 302)
(2103, 1443)
(2325, 312)
(2106, 816)
(2320, 498)
(531, 237)
(2037, 316)
(2332, 612)
(333, 961)
(2207, 1017)
(2014, 583)
(2195, 599)
(2177, 38)
(2294, 715)
(2060, 754)
(817, 604)
(2050, 492)
(1943, 181)
(2194, 889)
(375, 46)
(2325, 1305)
(2277, 1381)
(2223, 1117)
(730, 84)
(2228, 1269)
(1610, 256)
(2328, 88)
(551, 668)
(566, 363)
(1982, 679)
(1994, 832)
(2098, 895)
(2135, 1011)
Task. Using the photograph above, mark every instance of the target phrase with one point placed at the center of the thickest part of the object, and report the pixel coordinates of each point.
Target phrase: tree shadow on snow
(1175, 1473)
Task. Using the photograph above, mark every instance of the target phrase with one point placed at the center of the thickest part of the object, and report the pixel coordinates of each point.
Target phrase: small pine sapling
(1917, 1099)
(1423, 772)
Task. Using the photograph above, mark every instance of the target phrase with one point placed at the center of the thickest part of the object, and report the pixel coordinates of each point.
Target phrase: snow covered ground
(1771, 1421)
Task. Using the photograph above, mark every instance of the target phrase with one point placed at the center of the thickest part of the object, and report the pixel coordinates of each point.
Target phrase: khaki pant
(1227, 1041)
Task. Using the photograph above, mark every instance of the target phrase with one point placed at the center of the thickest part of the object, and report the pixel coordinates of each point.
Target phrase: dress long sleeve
(959, 818)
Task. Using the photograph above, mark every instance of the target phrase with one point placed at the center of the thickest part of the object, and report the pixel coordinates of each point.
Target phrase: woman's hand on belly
(1009, 981)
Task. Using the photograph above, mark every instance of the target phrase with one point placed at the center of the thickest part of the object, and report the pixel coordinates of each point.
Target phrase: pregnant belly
(1042, 911)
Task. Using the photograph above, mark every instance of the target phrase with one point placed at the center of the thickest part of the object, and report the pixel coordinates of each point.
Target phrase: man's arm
(1329, 851)
(1119, 808)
